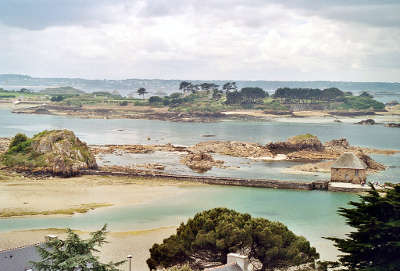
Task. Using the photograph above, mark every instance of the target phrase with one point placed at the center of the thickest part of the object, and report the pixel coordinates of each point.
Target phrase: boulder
(366, 122)
(306, 142)
(393, 125)
(200, 161)
(232, 148)
(338, 143)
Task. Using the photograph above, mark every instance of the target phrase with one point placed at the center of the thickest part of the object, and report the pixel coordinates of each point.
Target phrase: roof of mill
(226, 267)
(349, 160)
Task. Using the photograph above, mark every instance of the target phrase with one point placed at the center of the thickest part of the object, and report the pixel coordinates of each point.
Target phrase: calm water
(128, 131)
(99, 131)
(309, 213)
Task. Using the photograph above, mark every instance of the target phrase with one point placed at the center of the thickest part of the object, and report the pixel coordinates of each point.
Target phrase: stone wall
(317, 185)
(348, 175)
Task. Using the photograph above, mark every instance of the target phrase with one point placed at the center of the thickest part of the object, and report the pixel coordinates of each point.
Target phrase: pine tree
(375, 245)
(74, 254)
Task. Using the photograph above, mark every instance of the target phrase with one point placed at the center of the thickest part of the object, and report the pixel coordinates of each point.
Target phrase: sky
(337, 40)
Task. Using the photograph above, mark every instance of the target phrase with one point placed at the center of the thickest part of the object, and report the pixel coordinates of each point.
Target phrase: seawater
(130, 131)
(309, 213)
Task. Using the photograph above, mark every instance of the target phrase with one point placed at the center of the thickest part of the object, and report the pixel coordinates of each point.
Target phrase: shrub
(155, 100)
(17, 139)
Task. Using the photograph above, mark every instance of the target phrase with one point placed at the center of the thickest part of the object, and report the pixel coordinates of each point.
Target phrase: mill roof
(349, 160)
(226, 267)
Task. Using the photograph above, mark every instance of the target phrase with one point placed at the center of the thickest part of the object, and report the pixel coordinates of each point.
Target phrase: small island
(203, 102)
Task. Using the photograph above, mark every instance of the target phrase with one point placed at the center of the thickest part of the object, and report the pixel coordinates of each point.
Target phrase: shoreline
(162, 114)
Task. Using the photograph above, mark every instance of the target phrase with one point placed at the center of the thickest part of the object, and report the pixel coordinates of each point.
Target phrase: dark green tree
(229, 86)
(185, 86)
(250, 95)
(375, 243)
(155, 100)
(207, 238)
(366, 95)
(74, 254)
(234, 97)
(141, 91)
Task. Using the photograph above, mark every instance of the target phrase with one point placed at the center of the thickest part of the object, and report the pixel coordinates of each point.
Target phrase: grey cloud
(39, 14)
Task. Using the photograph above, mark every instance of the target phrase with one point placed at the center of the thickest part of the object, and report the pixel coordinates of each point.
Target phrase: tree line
(304, 95)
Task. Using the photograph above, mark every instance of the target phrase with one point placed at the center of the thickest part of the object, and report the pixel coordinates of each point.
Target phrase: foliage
(366, 94)
(361, 103)
(298, 95)
(74, 253)
(211, 235)
(57, 98)
(155, 100)
(17, 139)
(246, 96)
(229, 86)
(141, 91)
(375, 243)
(123, 103)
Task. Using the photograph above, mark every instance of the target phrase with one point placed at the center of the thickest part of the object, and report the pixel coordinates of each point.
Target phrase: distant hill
(126, 86)
(62, 91)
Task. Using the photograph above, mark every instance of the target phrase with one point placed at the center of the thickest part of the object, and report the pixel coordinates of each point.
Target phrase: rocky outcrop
(57, 152)
(371, 163)
(232, 148)
(338, 143)
(200, 161)
(366, 122)
(297, 143)
(393, 125)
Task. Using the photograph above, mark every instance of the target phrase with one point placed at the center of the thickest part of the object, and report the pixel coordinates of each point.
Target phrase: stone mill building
(349, 168)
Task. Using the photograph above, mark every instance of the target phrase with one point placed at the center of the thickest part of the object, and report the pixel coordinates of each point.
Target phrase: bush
(57, 98)
(123, 103)
(175, 95)
(362, 103)
(155, 100)
(18, 139)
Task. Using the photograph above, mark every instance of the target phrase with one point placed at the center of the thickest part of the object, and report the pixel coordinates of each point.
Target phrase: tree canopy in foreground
(206, 239)
(375, 245)
(74, 254)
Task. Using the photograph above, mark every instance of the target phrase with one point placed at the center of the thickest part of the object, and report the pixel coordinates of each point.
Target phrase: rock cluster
(367, 122)
(232, 148)
(298, 143)
(393, 125)
(200, 161)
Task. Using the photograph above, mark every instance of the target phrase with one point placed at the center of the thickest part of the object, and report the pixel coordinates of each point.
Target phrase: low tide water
(309, 213)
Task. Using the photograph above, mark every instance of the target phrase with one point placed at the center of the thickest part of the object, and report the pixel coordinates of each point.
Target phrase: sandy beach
(20, 194)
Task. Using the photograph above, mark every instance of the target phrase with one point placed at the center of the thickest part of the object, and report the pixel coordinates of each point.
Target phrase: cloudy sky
(346, 40)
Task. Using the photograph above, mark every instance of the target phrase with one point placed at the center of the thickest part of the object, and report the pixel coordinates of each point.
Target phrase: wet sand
(20, 195)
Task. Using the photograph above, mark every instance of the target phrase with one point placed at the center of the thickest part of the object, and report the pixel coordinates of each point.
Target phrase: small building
(349, 168)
